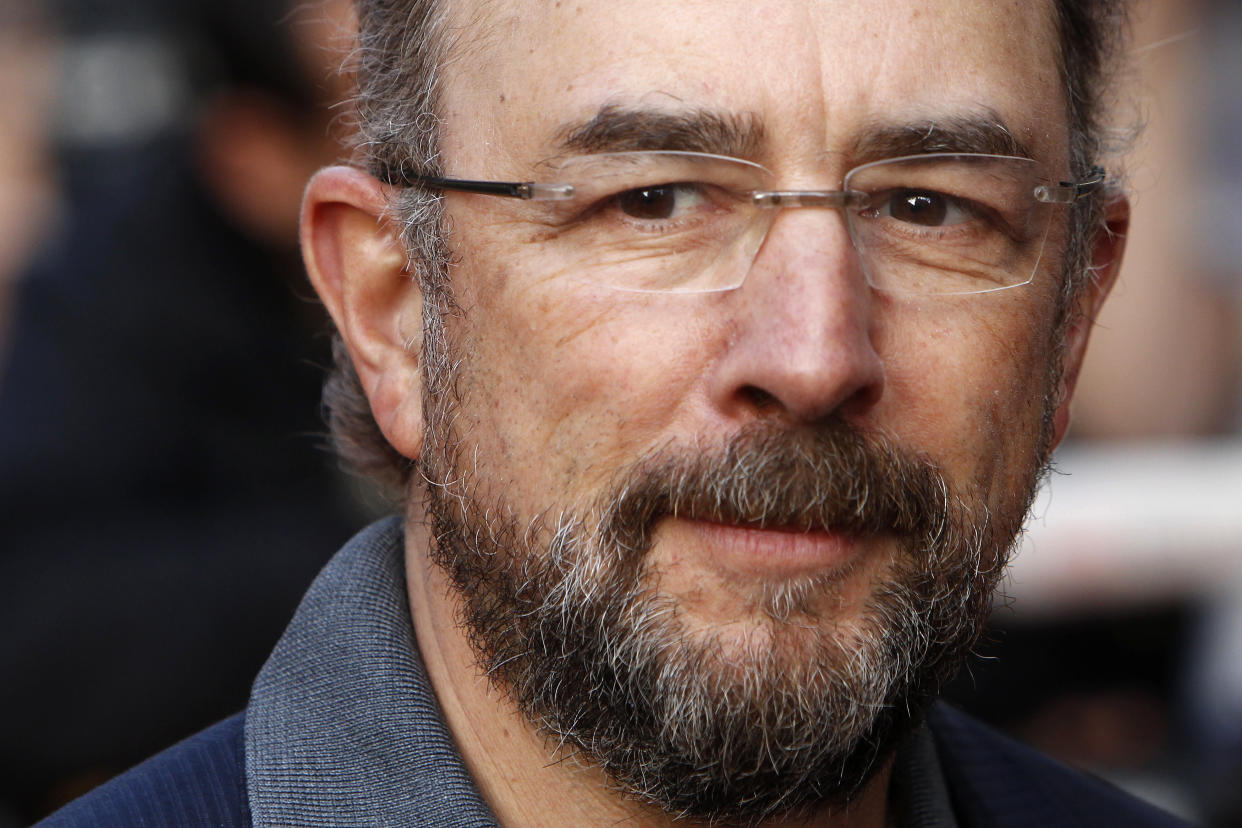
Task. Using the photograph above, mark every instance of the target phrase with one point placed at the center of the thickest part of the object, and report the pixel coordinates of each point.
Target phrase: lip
(774, 552)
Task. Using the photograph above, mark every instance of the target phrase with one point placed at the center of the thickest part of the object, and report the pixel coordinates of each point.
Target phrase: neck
(526, 779)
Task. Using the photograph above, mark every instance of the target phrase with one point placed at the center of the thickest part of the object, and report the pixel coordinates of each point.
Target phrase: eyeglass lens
(686, 222)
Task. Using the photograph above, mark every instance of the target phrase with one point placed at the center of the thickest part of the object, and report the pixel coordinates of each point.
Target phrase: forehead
(806, 77)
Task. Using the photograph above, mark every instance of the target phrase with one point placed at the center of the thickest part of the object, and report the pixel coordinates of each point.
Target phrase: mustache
(833, 477)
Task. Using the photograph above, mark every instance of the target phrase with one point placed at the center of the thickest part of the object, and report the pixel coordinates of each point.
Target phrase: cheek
(561, 383)
(967, 385)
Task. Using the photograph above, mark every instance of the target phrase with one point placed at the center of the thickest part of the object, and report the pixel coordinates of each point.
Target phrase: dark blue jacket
(994, 783)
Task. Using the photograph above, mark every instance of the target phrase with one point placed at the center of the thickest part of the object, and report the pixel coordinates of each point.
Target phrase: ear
(357, 263)
(1107, 248)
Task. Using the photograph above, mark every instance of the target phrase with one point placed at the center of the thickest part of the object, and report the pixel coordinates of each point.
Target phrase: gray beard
(565, 616)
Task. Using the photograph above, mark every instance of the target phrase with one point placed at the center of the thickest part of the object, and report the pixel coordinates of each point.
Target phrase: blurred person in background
(27, 190)
(164, 497)
(1167, 362)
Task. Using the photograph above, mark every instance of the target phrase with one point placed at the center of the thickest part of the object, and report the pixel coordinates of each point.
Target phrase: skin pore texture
(584, 427)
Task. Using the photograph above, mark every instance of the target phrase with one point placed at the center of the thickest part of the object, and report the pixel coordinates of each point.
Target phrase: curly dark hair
(403, 43)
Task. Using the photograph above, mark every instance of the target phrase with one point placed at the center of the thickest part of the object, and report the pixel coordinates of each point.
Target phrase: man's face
(766, 482)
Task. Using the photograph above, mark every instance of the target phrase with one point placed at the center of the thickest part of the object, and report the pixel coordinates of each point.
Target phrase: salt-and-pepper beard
(564, 612)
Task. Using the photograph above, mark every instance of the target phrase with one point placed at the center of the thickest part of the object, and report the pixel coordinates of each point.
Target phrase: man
(718, 350)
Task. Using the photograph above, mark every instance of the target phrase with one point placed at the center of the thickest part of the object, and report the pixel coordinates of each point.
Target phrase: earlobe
(1108, 247)
(357, 264)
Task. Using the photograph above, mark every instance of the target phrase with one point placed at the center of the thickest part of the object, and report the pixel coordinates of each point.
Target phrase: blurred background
(166, 493)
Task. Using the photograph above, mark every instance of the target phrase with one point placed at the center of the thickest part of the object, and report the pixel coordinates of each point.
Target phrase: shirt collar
(343, 727)
(918, 792)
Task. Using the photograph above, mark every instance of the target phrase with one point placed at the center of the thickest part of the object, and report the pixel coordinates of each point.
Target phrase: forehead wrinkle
(617, 128)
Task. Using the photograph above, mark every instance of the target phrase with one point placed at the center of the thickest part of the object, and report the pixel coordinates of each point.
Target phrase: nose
(801, 337)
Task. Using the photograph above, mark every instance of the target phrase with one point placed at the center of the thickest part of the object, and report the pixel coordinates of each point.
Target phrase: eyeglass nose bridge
(834, 199)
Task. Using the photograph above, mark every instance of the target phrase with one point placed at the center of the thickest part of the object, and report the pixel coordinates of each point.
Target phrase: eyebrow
(621, 129)
(616, 128)
(986, 134)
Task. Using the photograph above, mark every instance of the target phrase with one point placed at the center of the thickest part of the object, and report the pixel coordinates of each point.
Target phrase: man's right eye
(660, 203)
(926, 208)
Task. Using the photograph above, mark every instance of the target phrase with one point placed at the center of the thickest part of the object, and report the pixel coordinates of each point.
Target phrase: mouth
(770, 552)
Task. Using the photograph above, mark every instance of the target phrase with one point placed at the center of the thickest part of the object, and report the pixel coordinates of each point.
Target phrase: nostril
(759, 398)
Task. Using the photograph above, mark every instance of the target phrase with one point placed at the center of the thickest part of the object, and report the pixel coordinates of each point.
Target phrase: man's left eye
(924, 208)
(667, 201)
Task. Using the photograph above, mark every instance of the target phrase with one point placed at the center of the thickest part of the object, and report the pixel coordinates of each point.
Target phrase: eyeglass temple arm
(1068, 192)
(510, 189)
